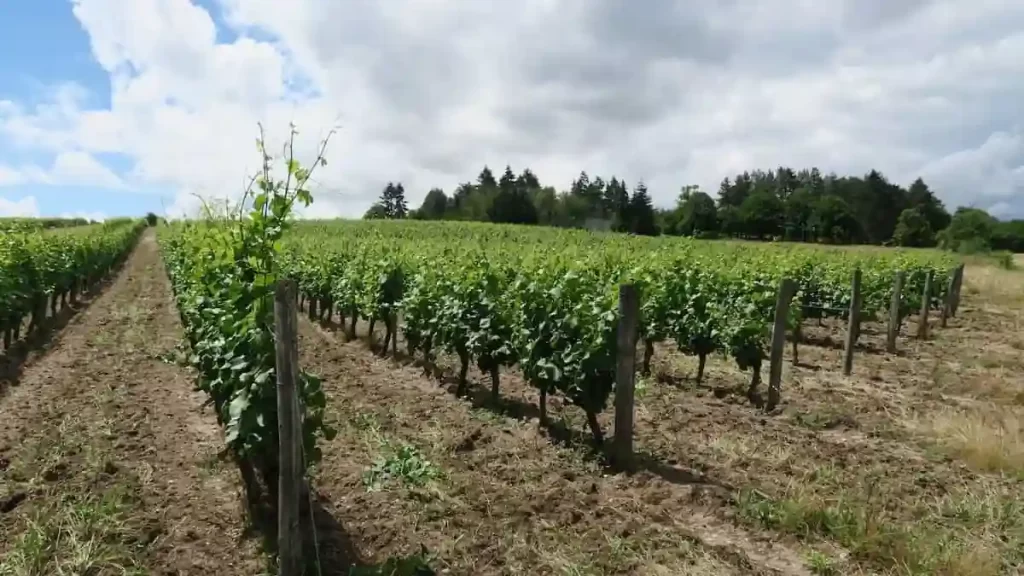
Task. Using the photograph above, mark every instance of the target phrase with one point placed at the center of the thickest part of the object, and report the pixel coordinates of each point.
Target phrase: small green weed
(641, 387)
(406, 465)
(87, 536)
(822, 564)
(415, 565)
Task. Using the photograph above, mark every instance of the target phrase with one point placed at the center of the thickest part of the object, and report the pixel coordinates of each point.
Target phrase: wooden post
(288, 428)
(894, 312)
(854, 323)
(787, 288)
(394, 333)
(926, 304)
(625, 373)
(947, 298)
(957, 285)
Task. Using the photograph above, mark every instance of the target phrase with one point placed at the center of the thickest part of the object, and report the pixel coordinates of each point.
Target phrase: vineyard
(546, 300)
(40, 223)
(45, 268)
(472, 438)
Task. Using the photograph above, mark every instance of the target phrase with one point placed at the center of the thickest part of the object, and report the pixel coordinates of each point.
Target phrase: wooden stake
(625, 374)
(787, 288)
(853, 326)
(926, 304)
(394, 333)
(957, 285)
(288, 428)
(894, 312)
(947, 298)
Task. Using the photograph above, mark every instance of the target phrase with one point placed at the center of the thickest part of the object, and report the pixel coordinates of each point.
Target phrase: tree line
(796, 205)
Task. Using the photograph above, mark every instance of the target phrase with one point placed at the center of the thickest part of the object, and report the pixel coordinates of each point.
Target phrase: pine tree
(486, 179)
(641, 212)
(399, 208)
(392, 201)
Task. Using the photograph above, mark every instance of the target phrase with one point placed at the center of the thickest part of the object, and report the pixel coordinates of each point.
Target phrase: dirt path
(489, 494)
(108, 463)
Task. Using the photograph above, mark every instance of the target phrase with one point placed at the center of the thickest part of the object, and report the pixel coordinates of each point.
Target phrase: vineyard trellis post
(958, 283)
(853, 327)
(947, 299)
(290, 467)
(894, 312)
(787, 289)
(395, 321)
(926, 303)
(625, 374)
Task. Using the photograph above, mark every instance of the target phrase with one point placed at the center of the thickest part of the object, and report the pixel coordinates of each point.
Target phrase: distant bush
(151, 219)
(1004, 259)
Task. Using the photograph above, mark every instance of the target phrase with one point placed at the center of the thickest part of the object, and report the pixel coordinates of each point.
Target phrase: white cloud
(25, 208)
(70, 168)
(93, 216)
(427, 91)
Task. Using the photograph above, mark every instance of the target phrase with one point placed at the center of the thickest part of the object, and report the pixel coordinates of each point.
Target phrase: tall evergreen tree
(529, 180)
(616, 204)
(486, 179)
(919, 196)
(641, 212)
(387, 201)
(507, 183)
(399, 208)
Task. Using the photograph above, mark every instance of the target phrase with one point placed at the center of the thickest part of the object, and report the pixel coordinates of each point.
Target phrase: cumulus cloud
(69, 168)
(25, 208)
(92, 216)
(428, 91)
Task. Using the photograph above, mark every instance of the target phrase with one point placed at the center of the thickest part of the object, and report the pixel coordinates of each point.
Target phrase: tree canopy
(802, 205)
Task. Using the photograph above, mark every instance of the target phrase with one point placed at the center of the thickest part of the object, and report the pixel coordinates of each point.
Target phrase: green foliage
(641, 212)
(391, 204)
(822, 564)
(802, 205)
(415, 565)
(405, 464)
(151, 219)
(545, 300)
(224, 271)
(913, 229)
(41, 223)
(970, 231)
(1009, 236)
(763, 215)
(35, 264)
(512, 204)
(695, 214)
(434, 205)
(833, 221)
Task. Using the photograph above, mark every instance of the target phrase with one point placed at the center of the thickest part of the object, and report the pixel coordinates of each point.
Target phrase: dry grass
(743, 450)
(968, 532)
(989, 438)
(995, 285)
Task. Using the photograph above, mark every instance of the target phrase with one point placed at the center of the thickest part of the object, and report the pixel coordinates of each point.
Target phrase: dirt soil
(108, 462)
(911, 465)
(502, 497)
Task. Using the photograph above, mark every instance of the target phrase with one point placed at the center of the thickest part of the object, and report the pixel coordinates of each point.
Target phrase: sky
(122, 107)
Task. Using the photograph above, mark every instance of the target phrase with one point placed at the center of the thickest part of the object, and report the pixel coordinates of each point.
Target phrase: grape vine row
(39, 267)
(545, 299)
(223, 273)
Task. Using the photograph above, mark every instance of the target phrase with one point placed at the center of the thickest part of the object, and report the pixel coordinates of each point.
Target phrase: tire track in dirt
(508, 501)
(107, 413)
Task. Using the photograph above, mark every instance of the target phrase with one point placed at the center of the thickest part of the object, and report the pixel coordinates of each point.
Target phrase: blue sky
(42, 47)
(120, 107)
